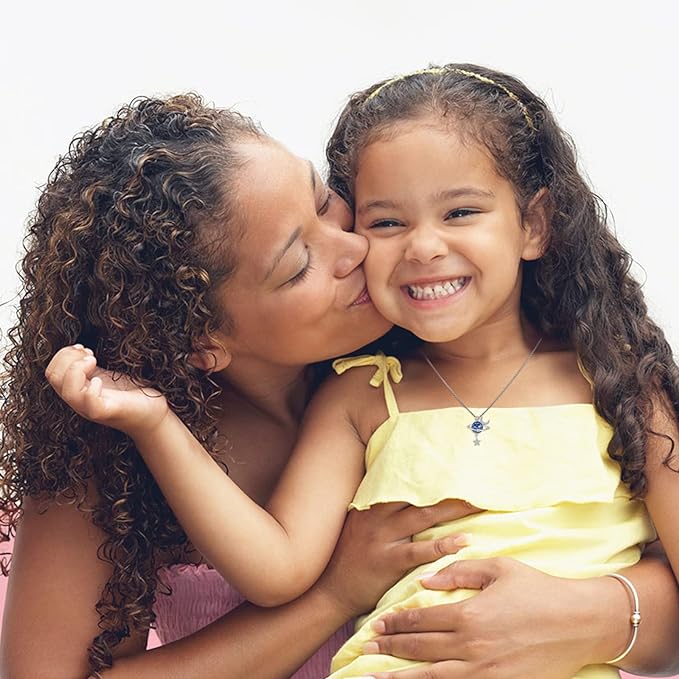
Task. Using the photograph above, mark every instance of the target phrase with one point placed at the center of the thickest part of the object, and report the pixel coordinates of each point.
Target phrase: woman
(203, 259)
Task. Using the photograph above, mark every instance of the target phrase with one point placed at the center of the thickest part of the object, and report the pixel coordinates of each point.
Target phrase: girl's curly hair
(129, 240)
(580, 291)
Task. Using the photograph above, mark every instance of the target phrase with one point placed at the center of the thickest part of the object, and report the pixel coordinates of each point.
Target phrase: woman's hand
(524, 623)
(102, 396)
(375, 550)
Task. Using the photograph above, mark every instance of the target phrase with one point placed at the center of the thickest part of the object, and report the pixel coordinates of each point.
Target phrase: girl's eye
(303, 273)
(460, 213)
(326, 203)
(385, 224)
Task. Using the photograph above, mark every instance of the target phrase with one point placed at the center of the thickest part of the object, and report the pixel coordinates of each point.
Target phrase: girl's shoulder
(359, 387)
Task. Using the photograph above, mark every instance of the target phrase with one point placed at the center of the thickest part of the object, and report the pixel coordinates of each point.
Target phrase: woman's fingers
(414, 554)
(429, 646)
(430, 619)
(467, 574)
(450, 669)
(415, 519)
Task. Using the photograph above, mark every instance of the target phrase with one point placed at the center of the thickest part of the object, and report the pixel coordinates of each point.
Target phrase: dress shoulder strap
(387, 368)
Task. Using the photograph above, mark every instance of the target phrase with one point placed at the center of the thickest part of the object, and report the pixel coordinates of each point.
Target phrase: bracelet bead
(635, 618)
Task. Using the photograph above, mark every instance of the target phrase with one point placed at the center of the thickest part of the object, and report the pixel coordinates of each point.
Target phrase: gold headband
(470, 74)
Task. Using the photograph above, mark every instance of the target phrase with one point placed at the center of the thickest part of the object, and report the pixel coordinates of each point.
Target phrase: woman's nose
(347, 248)
(425, 245)
(350, 249)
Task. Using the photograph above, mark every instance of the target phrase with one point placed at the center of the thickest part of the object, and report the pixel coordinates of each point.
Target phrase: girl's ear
(212, 356)
(536, 223)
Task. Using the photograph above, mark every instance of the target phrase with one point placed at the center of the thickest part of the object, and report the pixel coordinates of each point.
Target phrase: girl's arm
(269, 557)
(56, 578)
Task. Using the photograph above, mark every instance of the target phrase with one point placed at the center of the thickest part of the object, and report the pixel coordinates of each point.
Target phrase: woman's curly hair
(130, 238)
(580, 291)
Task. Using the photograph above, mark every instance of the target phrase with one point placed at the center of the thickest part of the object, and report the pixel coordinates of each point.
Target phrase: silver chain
(497, 398)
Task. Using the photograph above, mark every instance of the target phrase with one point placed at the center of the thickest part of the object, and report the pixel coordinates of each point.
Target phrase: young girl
(541, 393)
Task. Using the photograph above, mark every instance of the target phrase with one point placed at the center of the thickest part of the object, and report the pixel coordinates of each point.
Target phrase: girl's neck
(494, 341)
(278, 392)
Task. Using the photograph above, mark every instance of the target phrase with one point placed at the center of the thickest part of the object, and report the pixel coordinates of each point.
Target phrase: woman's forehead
(276, 196)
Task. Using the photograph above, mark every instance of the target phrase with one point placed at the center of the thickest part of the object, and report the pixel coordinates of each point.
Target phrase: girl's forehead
(423, 143)
(448, 129)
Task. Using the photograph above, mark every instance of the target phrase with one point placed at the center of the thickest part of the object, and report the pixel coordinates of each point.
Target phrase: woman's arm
(50, 619)
(526, 623)
(238, 537)
(662, 473)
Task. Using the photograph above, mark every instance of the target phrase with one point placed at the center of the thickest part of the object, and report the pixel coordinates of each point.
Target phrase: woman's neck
(279, 392)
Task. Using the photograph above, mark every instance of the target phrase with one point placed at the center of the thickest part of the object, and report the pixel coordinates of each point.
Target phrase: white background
(608, 71)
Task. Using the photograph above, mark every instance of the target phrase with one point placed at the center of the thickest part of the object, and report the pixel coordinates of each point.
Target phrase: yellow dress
(553, 498)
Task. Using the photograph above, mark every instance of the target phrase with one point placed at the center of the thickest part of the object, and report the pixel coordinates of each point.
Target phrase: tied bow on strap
(385, 365)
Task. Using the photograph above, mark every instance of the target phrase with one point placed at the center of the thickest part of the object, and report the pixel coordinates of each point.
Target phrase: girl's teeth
(443, 289)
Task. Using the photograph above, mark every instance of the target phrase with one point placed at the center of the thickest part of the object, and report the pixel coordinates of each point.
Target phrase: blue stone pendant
(477, 427)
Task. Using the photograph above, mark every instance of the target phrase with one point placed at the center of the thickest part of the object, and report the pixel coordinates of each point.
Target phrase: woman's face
(299, 293)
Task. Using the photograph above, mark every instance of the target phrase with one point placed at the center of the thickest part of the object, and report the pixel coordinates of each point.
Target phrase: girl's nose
(425, 245)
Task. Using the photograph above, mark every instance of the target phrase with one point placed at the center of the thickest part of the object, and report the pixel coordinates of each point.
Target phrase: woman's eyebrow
(288, 244)
(296, 233)
(312, 171)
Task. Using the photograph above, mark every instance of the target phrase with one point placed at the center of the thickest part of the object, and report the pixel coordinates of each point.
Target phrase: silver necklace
(478, 424)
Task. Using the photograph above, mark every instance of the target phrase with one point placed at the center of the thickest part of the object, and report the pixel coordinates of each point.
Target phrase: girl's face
(299, 291)
(446, 234)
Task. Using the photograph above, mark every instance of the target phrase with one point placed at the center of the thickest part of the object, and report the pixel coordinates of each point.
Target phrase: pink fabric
(192, 595)
(200, 595)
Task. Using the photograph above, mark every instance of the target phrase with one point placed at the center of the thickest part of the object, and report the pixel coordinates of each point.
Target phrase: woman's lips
(363, 298)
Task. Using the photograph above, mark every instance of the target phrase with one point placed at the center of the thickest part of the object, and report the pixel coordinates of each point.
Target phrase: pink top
(200, 595)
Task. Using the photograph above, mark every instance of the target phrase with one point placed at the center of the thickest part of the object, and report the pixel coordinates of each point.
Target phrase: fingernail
(78, 346)
(379, 626)
(424, 576)
(89, 351)
(370, 648)
(463, 539)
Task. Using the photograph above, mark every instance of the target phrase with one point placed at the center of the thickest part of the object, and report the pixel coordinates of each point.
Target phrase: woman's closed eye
(325, 205)
(303, 272)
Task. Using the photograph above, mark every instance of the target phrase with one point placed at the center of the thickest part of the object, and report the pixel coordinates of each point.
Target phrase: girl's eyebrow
(461, 192)
(374, 204)
(447, 194)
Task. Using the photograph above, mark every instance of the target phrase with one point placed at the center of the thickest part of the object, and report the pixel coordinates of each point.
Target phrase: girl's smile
(435, 292)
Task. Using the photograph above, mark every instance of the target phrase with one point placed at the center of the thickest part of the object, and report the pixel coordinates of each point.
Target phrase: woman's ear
(536, 222)
(212, 356)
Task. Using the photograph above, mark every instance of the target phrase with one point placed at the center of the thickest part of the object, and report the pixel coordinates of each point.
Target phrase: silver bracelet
(635, 618)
